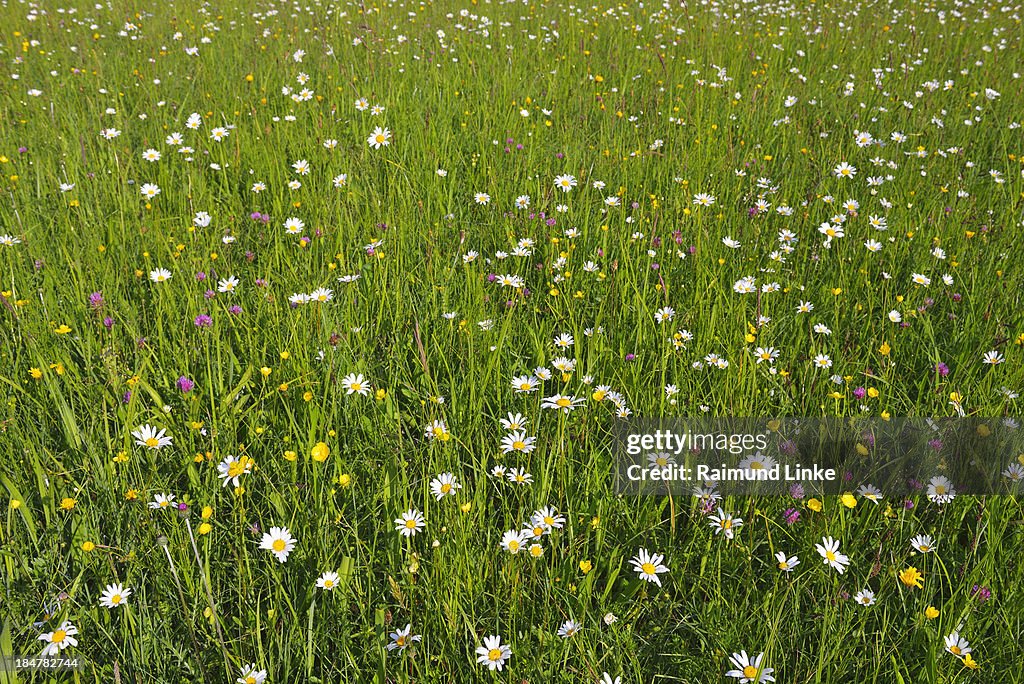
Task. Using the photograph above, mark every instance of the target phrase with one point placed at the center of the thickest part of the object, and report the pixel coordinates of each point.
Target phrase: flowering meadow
(319, 320)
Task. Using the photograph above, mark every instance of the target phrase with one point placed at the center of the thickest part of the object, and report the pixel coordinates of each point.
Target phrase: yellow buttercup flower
(320, 452)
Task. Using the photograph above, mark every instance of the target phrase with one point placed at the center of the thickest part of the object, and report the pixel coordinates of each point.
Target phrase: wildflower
(562, 402)
(114, 596)
(279, 542)
(327, 581)
(786, 564)
(159, 275)
(512, 541)
(957, 645)
(402, 638)
(519, 476)
(381, 137)
(865, 597)
(229, 284)
(565, 183)
(724, 523)
(493, 653)
(912, 577)
(568, 629)
(410, 522)
(829, 550)
(940, 490)
(749, 669)
(232, 468)
(549, 518)
(355, 384)
(992, 358)
(844, 170)
(649, 565)
(923, 543)
(517, 441)
(525, 384)
(161, 501)
(444, 485)
(59, 639)
(252, 675)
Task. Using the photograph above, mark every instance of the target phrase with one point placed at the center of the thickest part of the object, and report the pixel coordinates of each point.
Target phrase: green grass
(267, 379)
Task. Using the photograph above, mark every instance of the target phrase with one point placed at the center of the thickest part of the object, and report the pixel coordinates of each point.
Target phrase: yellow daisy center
(955, 650)
(518, 445)
(563, 402)
(649, 569)
(750, 672)
(279, 545)
(115, 599)
(830, 556)
(410, 524)
(494, 654)
(58, 636)
(152, 442)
